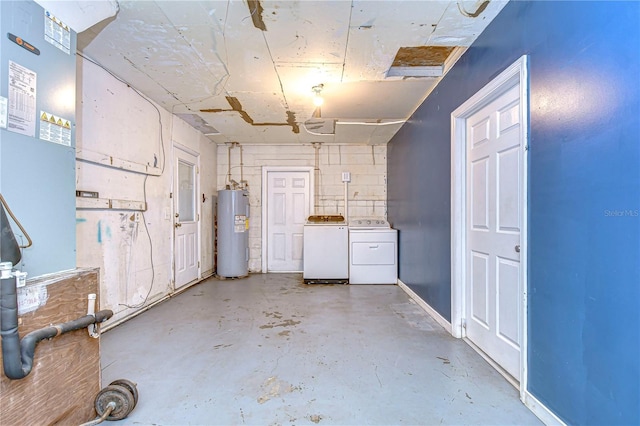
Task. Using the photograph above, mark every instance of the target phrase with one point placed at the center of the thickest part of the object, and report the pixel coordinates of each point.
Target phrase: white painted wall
(367, 190)
(114, 121)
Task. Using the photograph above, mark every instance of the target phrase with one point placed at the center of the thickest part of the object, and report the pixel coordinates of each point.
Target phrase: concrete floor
(269, 350)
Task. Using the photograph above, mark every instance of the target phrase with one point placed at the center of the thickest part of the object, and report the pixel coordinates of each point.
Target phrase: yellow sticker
(246, 224)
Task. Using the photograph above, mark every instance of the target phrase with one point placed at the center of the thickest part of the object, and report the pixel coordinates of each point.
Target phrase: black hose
(17, 356)
(9, 327)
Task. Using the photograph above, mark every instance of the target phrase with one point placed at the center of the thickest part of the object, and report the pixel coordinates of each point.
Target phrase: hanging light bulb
(317, 99)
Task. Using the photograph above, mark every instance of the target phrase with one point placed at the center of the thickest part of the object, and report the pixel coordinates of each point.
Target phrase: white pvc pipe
(346, 202)
(91, 310)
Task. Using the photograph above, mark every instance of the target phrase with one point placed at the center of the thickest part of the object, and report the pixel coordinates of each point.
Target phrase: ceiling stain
(422, 56)
(475, 14)
(255, 8)
(236, 106)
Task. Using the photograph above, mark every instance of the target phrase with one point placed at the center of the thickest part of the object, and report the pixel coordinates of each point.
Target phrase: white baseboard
(428, 309)
(543, 413)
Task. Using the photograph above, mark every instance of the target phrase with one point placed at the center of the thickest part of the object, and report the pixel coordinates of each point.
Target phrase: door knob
(517, 248)
(178, 225)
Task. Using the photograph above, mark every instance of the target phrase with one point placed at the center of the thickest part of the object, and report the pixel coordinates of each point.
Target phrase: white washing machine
(326, 250)
(373, 252)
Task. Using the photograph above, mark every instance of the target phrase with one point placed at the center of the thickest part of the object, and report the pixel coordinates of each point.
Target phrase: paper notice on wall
(31, 298)
(57, 32)
(3, 112)
(22, 100)
(55, 129)
(239, 223)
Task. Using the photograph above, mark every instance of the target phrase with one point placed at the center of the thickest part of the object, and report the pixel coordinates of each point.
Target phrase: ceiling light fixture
(317, 99)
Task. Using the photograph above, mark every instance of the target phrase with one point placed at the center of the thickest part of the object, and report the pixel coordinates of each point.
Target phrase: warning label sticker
(239, 223)
(55, 129)
(57, 32)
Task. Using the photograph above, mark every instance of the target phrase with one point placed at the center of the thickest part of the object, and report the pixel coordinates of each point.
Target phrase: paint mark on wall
(129, 227)
(100, 231)
(80, 220)
(31, 298)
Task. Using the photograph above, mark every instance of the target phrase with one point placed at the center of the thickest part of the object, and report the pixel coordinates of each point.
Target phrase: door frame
(518, 72)
(265, 201)
(178, 146)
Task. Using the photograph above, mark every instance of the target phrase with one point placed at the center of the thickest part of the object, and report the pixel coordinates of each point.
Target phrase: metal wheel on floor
(130, 386)
(117, 398)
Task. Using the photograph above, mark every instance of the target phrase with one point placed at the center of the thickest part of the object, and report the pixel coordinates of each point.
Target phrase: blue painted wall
(584, 197)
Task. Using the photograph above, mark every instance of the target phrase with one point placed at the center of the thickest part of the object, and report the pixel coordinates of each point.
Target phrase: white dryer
(373, 252)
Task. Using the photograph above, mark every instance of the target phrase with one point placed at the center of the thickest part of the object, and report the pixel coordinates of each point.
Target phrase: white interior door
(288, 200)
(493, 229)
(186, 218)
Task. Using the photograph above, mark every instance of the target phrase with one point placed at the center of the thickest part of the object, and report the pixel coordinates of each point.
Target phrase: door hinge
(171, 195)
(198, 264)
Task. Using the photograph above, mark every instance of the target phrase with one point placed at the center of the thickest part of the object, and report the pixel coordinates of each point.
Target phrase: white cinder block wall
(367, 190)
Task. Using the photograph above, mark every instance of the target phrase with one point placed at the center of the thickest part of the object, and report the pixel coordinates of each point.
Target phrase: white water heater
(233, 233)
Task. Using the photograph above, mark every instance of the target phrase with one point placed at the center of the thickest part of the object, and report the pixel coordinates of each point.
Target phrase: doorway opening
(186, 220)
(489, 221)
(287, 201)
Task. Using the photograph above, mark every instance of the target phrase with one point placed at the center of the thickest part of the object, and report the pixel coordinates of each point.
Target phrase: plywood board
(66, 371)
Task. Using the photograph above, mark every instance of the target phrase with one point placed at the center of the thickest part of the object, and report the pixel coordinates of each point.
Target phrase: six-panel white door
(186, 218)
(288, 195)
(494, 222)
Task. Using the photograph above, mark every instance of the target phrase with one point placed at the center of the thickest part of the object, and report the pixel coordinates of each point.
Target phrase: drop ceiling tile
(300, 31)
(354, 133)
(194, 13)
(379, 29)
(263, 107)
(383, 134)
(375, 99)
(456, 29)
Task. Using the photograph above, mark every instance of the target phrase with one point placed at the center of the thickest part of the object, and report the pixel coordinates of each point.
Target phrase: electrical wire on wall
(144, 184)
(153, 269)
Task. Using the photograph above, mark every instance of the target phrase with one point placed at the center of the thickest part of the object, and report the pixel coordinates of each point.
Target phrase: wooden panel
(66, 370)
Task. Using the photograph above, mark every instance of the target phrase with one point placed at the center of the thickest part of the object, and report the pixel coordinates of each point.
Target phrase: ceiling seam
(275, 68)
(202, 61)
(435, 27)
(346, 44)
